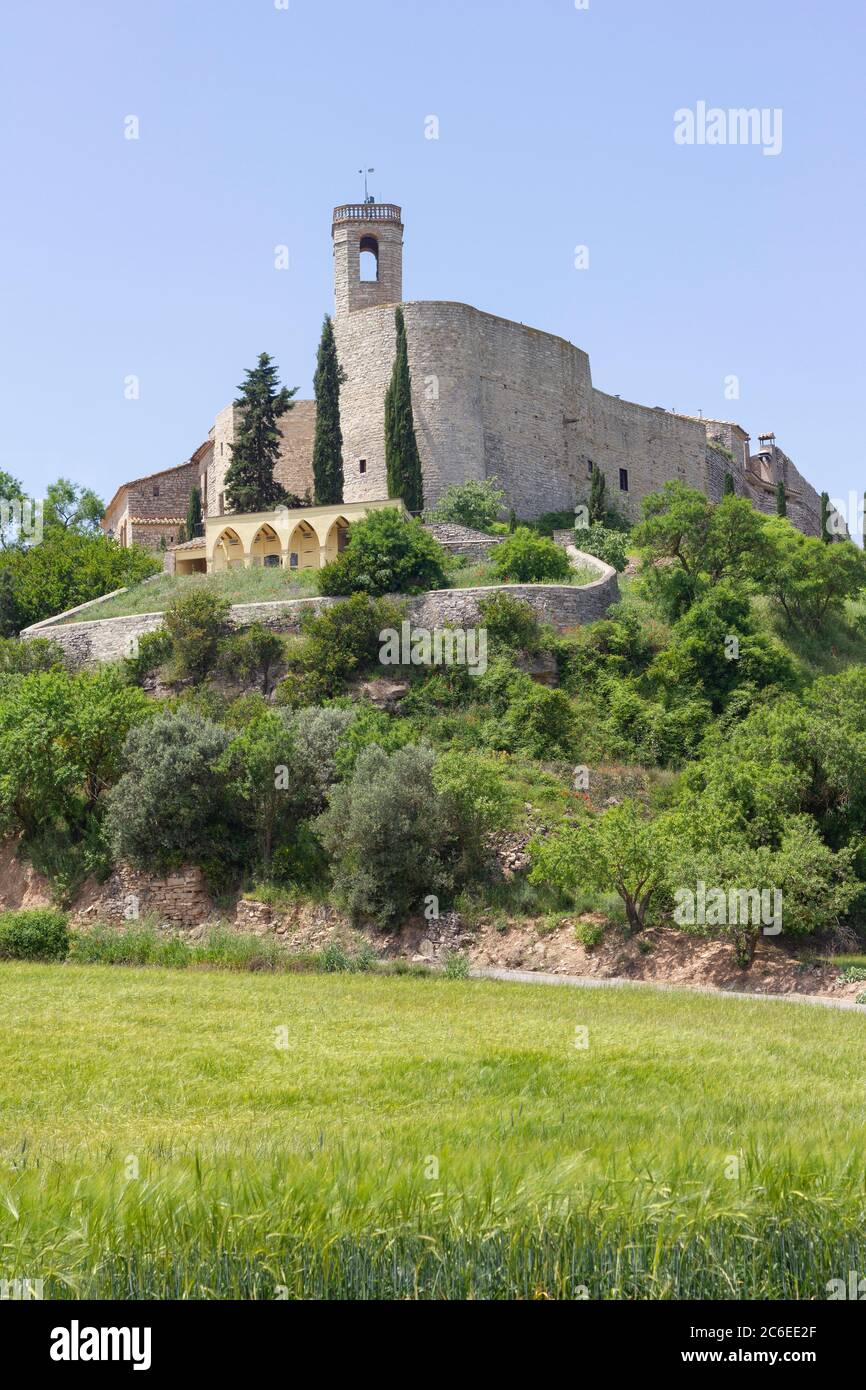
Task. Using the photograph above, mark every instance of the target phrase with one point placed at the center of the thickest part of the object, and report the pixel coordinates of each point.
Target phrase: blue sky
(155, 257)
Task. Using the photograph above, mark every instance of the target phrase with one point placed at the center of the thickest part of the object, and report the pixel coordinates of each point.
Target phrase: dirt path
(538, 977)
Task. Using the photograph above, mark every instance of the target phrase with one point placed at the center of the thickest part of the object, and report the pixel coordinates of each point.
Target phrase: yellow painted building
(298, 538)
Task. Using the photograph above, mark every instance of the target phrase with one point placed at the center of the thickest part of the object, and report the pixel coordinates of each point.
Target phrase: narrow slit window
(623, 480)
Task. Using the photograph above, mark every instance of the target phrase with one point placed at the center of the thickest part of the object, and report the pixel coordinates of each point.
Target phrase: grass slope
(422, 1138)
(256, 585)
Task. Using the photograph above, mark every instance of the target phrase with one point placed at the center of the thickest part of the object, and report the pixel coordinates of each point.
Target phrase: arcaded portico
(296, 538)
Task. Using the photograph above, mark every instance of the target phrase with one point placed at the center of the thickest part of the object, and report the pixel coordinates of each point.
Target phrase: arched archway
(303, 548)
(266, 548)
(228, 551)
(337, 538)
(369, 259)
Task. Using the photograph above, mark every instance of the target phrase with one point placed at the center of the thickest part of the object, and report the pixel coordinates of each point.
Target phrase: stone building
(491, 398)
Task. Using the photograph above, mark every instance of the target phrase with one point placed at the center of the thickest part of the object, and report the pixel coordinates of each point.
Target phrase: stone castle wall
(492, 398)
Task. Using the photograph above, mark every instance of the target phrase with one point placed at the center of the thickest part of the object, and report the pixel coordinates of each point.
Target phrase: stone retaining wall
(561, 605)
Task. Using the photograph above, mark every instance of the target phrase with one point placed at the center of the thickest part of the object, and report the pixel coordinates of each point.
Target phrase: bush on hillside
(170, 806)
(337, 646)
(528, 718)
(67, 569)
(621, 850)
(808, 579)
(386, 554)
(807, 887)
(61, 737)
(477, 503)
(19, 658)
(527, 558)
(603, 543)
(34, 934)
(253, 656)
(196, 623)
(151, 650)
(389, 835)
(511, 623)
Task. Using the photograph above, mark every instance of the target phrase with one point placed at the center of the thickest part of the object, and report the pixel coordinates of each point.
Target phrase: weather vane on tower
(368, 197)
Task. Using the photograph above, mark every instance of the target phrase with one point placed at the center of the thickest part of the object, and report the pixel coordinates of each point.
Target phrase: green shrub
(529, 718)
(455, 965)
(511, 622)
(152, 650)
(389, 835)
(476, 503)
(61, 741)
(196, 622)
(368, 725)
(20, 658)
(549, 522)
(605, 544)
(853, 974)
(338, 645)
(170, 806)
(589, 934)
(137, 945)
(386, 554)
(253, 656)
(621, 850)
(524, 557)
(34, 934)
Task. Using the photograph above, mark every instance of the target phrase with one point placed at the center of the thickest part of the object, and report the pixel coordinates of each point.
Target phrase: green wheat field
(216, 1135)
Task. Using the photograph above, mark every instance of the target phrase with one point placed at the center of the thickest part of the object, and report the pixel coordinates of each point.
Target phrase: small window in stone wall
(362, 465)
(156, 489)
(623, 480)
(589, 466)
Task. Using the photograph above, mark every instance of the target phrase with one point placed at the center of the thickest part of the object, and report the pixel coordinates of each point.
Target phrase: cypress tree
(597, 497)
(402, 460)
(729, 490)
(193, 514)
(10, 618)
(825, 516)
(328, 443)
(250, 485)
(781, 500)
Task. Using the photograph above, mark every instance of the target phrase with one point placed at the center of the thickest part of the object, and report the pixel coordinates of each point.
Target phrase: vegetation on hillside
(734, 670)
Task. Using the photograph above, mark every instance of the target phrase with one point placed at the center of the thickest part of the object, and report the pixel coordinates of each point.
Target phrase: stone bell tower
(368, 256)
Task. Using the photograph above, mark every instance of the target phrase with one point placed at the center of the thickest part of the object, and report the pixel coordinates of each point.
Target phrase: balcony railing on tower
(368, 212)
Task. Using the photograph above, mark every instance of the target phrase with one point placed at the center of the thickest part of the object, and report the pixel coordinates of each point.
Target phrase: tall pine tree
(193, 514)
(328, 443)
(250, 485)
(402, 460)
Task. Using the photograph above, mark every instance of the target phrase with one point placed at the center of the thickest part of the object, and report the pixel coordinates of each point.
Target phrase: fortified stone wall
(496, 398)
